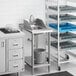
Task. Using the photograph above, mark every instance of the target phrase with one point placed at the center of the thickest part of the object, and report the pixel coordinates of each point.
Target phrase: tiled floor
(70, 67)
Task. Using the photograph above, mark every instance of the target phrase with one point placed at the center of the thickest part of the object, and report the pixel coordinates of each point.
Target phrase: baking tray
(64, 8)
(66, 35)
(63, 27)
(63, 17)
(64, 45)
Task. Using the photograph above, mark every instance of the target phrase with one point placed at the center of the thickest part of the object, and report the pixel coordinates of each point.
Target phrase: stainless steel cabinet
(11, 53)
(2, 55)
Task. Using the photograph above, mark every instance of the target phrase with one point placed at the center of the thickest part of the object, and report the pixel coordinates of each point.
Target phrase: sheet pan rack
(60, 17)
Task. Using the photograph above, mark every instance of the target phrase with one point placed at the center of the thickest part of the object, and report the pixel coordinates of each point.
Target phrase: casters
(17, 74)
(59, 68)
(47, 59)
(67, 57)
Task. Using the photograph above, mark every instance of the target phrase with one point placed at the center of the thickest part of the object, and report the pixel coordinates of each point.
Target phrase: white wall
(14, 11)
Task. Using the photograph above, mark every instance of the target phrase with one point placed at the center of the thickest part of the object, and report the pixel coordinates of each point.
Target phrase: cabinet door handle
(15, 44)
(2, 44)
(15, 55)
(29, 39)
(15, 66)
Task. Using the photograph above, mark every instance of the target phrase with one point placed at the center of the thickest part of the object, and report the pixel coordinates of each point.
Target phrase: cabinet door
(2, 55)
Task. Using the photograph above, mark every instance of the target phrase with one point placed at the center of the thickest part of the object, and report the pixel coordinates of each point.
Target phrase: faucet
(31, 20)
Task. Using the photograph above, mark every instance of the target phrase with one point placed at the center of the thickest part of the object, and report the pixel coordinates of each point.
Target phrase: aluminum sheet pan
(64, 45)
(66, 35)
(64, 8)
(63, 17)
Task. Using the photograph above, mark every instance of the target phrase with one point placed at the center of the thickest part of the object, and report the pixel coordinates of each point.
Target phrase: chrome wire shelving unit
(60, 17)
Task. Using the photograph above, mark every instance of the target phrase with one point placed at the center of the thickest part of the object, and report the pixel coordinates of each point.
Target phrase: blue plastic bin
(64, 27)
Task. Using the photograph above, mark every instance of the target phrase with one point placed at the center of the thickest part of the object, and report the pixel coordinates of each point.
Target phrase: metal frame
(58, 12)
(33, 33)
(32, 56)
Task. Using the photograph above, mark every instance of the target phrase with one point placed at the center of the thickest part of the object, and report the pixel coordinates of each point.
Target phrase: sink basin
(6, 31)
